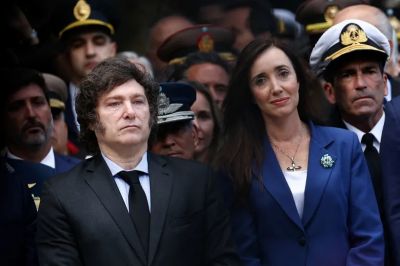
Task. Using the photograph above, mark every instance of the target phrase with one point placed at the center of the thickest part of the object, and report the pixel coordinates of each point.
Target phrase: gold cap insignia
(330, 13)
(205, 43)
(353, 34)
(82, 10)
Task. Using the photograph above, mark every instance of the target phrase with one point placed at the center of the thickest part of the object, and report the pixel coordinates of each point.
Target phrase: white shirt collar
(142, 166)
(48, 160)
(376, 131)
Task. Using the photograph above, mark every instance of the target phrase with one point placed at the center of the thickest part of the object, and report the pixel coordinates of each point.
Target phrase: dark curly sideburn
(105, 77)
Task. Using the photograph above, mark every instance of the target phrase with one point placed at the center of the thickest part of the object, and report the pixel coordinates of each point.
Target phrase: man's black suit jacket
(390, 154)
(395, 85)
(83, 220)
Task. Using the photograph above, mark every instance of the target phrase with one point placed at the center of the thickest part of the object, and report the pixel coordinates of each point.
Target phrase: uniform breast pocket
(187, 219)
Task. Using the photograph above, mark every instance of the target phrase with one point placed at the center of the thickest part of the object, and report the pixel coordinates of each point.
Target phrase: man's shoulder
(67, 159)
(187, 171)
(65, 163)
(392, 108)
(395, 85)
(73, 174)
(173, 162)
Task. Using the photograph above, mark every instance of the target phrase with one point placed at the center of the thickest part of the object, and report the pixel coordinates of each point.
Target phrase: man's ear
(329, 92)
(385, 79)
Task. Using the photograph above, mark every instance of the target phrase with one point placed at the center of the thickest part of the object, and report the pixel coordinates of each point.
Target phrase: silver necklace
(293, 166)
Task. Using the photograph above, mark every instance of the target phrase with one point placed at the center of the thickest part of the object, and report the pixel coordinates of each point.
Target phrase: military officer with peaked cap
(199, 38)
(317, 15)
(86, 30)
(203, 53)
(351, 56)
(176, 134)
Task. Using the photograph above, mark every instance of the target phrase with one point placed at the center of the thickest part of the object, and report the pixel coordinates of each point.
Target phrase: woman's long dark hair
(242, 150)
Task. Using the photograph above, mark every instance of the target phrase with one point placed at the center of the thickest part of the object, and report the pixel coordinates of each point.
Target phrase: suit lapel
(161, 187)
(275, 183)
(99, 178)
(317, 175)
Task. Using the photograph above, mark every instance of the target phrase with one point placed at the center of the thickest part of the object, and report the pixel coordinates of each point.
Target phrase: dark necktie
(138, 207)
(373, 160)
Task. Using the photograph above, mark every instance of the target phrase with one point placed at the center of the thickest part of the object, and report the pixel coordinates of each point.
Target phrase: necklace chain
(293, 166)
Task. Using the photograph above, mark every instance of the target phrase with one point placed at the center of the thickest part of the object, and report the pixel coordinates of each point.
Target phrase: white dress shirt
(376, 131)
(296, 181)
(123, 187)
(48, 160)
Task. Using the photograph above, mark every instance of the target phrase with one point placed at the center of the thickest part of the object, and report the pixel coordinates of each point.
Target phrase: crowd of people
(249, 135)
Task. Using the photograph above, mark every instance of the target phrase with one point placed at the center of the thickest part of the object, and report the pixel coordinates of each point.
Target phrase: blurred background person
(58, 95)
(248, 19)
(159, 32)
(137, 59)
(317, 16)
(201, 53)
(87, 38)
(207, 118)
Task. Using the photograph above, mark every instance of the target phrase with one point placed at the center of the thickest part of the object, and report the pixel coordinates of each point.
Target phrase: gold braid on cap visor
(229, 57)
(351, 48)
(87, 22)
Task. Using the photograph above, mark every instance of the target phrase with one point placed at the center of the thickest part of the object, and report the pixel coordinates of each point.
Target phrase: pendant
(294, 167)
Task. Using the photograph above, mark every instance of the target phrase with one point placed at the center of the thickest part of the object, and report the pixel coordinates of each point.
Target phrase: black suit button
(302, 241)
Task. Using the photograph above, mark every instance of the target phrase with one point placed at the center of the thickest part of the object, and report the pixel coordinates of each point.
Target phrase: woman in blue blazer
(300, 194)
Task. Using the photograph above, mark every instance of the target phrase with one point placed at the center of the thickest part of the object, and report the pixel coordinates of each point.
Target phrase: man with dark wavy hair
(124, 205)
(28, 127)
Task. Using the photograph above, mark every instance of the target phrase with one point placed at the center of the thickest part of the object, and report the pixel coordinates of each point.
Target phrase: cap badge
(353, 34)
(82, 10)
(164, 107)
(330, 13)
(205, 43)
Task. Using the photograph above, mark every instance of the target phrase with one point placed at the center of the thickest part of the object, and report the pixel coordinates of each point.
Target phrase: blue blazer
(37, 173)
(340, 223)
(17, 220)
(390, 155)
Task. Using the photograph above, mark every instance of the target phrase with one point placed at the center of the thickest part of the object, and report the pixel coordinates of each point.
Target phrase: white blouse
(297, 184)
